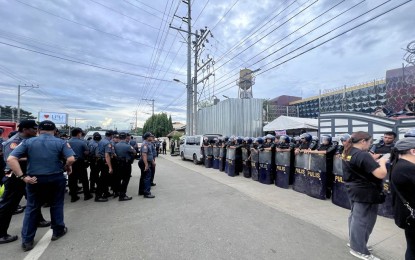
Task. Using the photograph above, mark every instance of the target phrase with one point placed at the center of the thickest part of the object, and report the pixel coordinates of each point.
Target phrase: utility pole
(152, 104)
(18, 98)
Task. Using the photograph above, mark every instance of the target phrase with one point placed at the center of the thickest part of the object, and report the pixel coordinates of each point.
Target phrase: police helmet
(315, 138)
(239, 140)
(284, 139)
(326, 138)
(260, 140)
(225, 138)
(270, 137)
(410, 133)
(249, 141)
(344, 137)
(306, 137)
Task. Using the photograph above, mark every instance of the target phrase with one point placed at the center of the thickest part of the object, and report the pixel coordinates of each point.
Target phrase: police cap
(47, 125)
(27, 124)
(147, 135)
(122, 135)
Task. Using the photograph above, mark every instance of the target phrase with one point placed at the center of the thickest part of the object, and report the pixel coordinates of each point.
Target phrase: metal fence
(241, 117)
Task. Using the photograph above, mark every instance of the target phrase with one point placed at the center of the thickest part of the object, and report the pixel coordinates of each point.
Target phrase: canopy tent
(291, 123)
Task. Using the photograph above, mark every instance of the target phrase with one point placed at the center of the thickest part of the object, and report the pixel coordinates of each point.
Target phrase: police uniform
(14, 188)
(93, 163)
(104, 148)
(79, 171)
(45, 155)
(145, 179)
(125, 157)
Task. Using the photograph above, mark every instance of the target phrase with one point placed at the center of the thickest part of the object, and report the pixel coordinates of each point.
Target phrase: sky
(98, 60)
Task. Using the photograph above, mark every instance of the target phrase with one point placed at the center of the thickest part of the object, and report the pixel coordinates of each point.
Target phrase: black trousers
(13, 193)
(164, 149)
(153, 172)
(410, 240)
(114, 178)
(144, 187)
(79, 173)
(124, 172)
(102, 185)
(93, 174)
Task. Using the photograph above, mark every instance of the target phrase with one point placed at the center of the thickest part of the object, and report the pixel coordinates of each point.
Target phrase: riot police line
(305, 163)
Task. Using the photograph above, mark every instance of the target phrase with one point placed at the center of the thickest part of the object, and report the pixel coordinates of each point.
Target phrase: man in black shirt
(384, 146)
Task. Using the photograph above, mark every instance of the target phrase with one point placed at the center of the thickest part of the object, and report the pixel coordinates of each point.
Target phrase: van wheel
(195, 159)
(182, 156)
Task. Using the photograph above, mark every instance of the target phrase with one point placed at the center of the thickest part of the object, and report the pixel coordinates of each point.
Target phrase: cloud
(146, 46)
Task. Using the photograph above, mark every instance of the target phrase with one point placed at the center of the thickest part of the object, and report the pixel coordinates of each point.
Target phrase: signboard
(57, 118)
(280, 132)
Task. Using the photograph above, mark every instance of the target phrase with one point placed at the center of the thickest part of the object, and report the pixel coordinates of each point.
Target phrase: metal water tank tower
(245, 82)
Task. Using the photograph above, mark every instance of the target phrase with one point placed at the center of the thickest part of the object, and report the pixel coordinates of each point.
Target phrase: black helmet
(306, 137)
(284, 139)
(410, 133)
(326, 138)
(344, 137)
(96, 136)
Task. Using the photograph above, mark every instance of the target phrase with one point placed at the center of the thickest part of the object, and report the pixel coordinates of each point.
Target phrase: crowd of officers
(37, 159)
(326, 145)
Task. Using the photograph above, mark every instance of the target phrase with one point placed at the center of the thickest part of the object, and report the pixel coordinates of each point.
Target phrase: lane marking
(40, 247)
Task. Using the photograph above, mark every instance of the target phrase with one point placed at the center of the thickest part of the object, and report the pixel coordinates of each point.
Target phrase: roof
(290, 123)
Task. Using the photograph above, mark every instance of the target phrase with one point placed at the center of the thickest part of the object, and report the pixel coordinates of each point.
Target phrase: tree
(9, 113)
(158, 124)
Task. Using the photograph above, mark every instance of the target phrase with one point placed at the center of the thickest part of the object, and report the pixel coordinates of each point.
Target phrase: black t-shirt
(403, 177)
(362, 185)
(383, 149)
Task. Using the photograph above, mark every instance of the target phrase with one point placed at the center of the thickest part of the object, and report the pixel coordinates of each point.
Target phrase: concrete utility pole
(152, 104)
(188, 20)
(18, 98)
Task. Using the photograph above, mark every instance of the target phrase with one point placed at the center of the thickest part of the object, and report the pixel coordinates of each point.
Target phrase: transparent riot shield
(208, 156)
(254, 164)
(246, 163)
(230, 162)
(216, 158)
(386, 209)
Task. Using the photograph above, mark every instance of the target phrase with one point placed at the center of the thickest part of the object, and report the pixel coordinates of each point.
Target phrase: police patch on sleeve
(69, 146)
(13, 145)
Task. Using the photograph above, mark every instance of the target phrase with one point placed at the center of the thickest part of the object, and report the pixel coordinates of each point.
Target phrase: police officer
(93, 161)
(305, 143)
(153, 166)
(145, 164)
(104, 154)
(125, 157)
(79, 171)
(2, 162)
(15, 188)
(114, 178)
(44, 179)
(384, 146)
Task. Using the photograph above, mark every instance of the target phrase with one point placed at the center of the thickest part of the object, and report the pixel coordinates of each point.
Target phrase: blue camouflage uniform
(79, 171)
(145, 179)
(125, 157)
(45, 161)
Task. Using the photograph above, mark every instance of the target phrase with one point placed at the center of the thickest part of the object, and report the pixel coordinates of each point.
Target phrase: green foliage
(7, 113)
(176, 136)
(159, 125)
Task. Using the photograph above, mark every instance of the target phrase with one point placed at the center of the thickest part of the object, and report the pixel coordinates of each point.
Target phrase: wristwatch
(21, 177)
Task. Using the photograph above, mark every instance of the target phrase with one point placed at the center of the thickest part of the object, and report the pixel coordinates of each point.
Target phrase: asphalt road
(192, 217)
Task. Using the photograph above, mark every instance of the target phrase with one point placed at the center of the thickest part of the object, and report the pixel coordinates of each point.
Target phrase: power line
(84, 25)
(227, 12)
(326, 41)
(83, 63)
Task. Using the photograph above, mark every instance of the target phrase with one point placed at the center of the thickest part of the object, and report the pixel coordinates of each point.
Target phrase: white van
(90, 133)
(190, 146)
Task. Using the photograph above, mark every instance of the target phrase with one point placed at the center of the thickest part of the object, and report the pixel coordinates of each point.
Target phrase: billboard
(57, 118)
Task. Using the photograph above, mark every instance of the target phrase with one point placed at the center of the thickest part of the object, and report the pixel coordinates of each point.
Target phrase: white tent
(291, 123)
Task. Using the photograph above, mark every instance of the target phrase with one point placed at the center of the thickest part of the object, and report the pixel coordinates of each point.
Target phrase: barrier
(208, 156)
(339, 195)
(246, 163)
(254, 164)
(230, 162)
(222, 159)
(283, 169)
(265, 174)
(216, 157)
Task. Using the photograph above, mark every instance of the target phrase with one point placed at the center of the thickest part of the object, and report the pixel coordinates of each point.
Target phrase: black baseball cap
(147, 135)
(47, 125)
(27, 124)
(122, 135)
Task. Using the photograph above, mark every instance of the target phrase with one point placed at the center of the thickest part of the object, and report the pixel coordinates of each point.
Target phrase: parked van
(191, 146)
(90, 133)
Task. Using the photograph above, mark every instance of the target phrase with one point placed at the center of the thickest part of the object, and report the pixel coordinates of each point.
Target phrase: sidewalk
(387, 239)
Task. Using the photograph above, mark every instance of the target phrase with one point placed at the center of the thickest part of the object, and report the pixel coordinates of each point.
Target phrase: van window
(182, 141)
(190, 140)
(197, 142)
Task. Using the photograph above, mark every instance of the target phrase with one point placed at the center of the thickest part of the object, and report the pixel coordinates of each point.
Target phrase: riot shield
(254, 164)
(283, 169)
(386, 209)
(301, 164)
(230, 162)
(317, 176)
(339, 196)
(265, 174)
(208, 156)
(246, 164)
(216, 157)
(222, 159)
